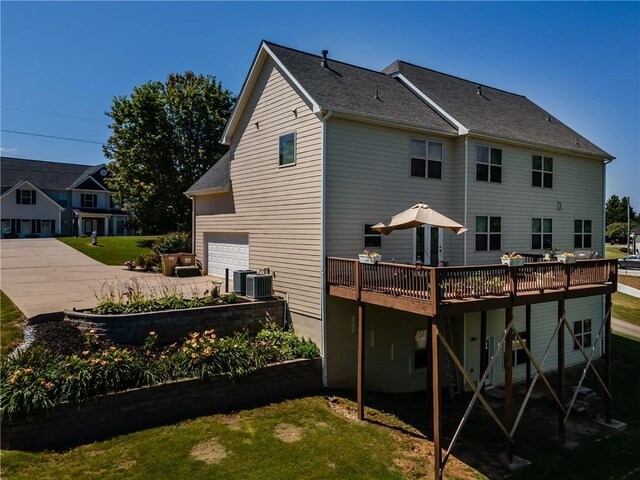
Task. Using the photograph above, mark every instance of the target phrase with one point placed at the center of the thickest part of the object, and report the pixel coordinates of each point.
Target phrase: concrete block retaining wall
(174, 325)
(115, 414)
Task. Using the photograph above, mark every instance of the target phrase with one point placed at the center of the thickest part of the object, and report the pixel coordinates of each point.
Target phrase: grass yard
(11, 317)
(626, 307)
(112, 250)
(613, 251)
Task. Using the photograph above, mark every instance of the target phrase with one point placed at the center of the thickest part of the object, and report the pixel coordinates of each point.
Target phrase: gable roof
(216, 179)
(33, 187)
(47, 175)
(495, 112)
(342, 88)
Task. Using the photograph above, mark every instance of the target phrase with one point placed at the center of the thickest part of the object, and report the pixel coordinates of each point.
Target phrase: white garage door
(227, 250)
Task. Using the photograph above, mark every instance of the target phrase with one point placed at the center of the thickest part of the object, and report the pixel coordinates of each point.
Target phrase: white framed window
(371, 237)
(287, 150)
(541, 233)
(25, 226)
(88, 200)
(518, 355)
(488, 164)
(488, 233)
(420, 350)
(541, 171)
(45, 226)
(25, 197)
(582, 331)
(426, 158)
(582, 234)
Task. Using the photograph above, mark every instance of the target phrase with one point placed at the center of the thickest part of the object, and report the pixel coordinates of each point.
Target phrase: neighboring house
(43, 199)
(320, 150)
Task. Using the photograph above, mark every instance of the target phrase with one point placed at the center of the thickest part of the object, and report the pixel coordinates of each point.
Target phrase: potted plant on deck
(512, 259)
(566, 257)
(369, 257)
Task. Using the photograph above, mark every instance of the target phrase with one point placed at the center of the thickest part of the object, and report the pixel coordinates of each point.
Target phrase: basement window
(287, 155)
(582, 331)
(519, 356)
(420, 353)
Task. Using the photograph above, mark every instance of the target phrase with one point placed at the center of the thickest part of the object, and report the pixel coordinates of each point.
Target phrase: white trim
(247, 89)
(209, 191)
(462, 130)
(88, 177)
(18, 185)
(323, 293)
(295, 147)
(386, 123)
(466, 197)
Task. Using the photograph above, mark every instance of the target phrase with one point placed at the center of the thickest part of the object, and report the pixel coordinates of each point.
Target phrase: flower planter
(566, 259)
(370, 259)
(513, 262)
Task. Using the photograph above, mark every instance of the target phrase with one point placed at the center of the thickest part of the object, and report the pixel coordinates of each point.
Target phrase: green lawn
(112, 250)
(626, 307)
(613, 251)
(10, 316)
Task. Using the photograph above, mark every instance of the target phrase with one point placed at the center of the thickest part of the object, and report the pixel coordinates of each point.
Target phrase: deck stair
(455, 386)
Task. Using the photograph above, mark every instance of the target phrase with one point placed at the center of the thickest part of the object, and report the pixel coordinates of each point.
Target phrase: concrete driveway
(43, 277)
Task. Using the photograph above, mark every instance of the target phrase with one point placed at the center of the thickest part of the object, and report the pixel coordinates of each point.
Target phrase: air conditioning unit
(259, 286)
(240, 281)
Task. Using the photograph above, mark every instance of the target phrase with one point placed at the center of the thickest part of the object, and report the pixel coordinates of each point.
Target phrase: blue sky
(580, 61)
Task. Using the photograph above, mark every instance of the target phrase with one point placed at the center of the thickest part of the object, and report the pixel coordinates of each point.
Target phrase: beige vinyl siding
(279, 207)
(368, 180)
(577, 185)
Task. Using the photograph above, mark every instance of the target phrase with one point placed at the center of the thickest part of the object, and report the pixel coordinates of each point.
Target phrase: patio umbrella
(419, 214)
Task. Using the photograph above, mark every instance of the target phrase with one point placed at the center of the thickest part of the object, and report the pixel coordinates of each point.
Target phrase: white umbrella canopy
(419, 214)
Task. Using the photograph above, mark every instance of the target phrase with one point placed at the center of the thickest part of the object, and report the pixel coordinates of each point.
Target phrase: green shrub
(175, 242)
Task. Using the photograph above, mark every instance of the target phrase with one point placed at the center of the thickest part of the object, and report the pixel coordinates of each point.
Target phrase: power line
(51, 136)
(53, 114)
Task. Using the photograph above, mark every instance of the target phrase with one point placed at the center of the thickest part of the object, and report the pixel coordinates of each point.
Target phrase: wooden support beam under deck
(361, 359)
(484, 360)
(508, 384)
(560, 392)
(607, 358)
(435, 390)
(527, 321)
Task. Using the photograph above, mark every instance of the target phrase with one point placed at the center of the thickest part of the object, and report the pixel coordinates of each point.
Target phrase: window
(25, 197)
(5, 226)
(488, 233)
(287, 150)
(45, 226)
(88, 200)
(426, 159)
(371, 237)
(582, 331)
(488, 164)
(541, 233)
(25, 226)
(518, 355)
(582, 234)
(420, 353)
(542, 171)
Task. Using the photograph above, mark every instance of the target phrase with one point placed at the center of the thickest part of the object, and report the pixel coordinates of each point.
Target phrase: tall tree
(164, 137)
(616, 210)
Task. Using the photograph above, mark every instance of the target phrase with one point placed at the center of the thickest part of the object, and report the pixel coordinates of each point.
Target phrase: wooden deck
(438, 291)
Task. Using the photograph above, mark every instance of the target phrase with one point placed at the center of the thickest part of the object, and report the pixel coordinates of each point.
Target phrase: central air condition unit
(240, 281)
(259, 286)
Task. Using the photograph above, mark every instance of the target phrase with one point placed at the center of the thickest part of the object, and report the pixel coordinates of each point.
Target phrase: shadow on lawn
(146, 242)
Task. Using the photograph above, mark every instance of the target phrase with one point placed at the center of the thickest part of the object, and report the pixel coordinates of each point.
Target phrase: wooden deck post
(607, 358)
(361, 347)
(484, 361)
(508, 384)
(429, 361)
(528, 329)
(560, 392)
(437, 452)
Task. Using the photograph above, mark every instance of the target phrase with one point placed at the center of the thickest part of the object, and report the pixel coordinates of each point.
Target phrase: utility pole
(629, 225)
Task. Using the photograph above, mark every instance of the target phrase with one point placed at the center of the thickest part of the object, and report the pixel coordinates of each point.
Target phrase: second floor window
(541, 233)
(26, 197)
(488, 233)
(371, 237)
(426, 159)
(287, 154)
(542, 171)
(582, 234)
(88, 200)
(488, 164)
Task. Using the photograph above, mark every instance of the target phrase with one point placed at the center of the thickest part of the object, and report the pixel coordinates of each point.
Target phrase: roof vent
(577, 140)
(324, 64)
(479, 89)
(548, 117)
(376, 96)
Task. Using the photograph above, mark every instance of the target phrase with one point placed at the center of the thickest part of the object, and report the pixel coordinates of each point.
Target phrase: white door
(428, 245)
(227, 250)
(491, 351)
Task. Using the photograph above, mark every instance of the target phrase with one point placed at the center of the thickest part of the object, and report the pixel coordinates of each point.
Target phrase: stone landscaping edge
(124, 412)
(174, 325)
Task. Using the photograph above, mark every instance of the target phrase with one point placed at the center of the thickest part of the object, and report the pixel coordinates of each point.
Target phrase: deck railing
(434, 285)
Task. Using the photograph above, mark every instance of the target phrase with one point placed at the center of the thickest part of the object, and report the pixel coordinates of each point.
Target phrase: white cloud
(8, 150)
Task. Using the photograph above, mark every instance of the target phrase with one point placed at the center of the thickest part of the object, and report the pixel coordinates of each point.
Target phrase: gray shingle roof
(495, 112)
(44, 175)
(352, 90)
(216, 177)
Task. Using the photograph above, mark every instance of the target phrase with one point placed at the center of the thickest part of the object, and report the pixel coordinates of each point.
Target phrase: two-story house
(43, 199)
(320, 151)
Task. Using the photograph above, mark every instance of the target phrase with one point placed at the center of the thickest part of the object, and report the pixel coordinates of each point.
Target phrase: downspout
(323, 289)
(604, 234)
(193, 224)
(466, 184)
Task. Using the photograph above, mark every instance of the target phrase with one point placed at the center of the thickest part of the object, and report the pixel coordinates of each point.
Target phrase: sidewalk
(634, 292)
(626, 328)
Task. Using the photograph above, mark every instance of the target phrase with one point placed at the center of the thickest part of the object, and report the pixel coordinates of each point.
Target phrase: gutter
(323, 293)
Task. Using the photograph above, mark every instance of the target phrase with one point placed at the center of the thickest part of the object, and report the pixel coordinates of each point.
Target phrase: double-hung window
(488, 164)
(287, 150)
(426, 158)
(518, 355)
(542, 171)
(582, 234)
(88, 200)
(25, 197)
(488, 233)
(371, 237)
(582, 331)
(541, 233)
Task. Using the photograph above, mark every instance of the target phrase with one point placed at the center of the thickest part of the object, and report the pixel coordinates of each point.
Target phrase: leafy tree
(616, 210)
(165, 136)
(617, 231)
